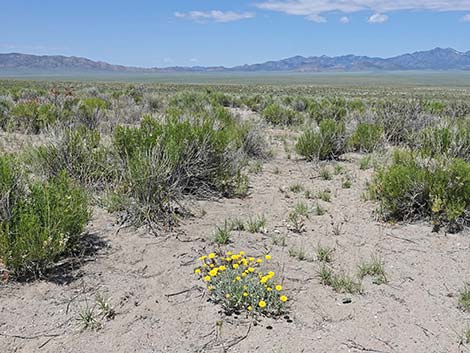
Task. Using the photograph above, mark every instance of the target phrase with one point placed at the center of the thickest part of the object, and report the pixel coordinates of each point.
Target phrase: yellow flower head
(251, 269)
(271, 274)
(245, 294)
(197, 270)
(212, 255)
(229, 253)
(207, 278)
(202, 258)
(211, 287)
(243, 274)
(238, 278)
(242, 253)
(250, 308)
(278, 287)
(264, 279)
(222, 268)
(268, 257)
(227, 295)
(213, 272)
(283, 298)
(204, 265)
(252, 259)
(211, 265)
(235, 266)
(269, 289)
(259, 261)
(262, 304)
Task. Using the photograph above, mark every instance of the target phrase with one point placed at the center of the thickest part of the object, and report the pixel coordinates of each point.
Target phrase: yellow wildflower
(262, 304)
(197, 270)
(259, 261)
(211, 287)
(268, 257)
(212, 255)
(213, 272)
(245, 294)
(278, 287)
(235, 266)
(227, 295)
(242, 253)
(207, 278)
(264, 279)
(283, 298)
(238, 278)
(229, 253)
(269, 289)
(222, 268)
(202, 258)
(250, 308)
(251, 269)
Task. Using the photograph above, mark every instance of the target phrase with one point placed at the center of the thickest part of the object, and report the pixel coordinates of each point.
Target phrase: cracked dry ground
(161, 306)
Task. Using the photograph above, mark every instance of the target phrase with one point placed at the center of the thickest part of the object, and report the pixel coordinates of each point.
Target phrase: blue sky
(229, 32)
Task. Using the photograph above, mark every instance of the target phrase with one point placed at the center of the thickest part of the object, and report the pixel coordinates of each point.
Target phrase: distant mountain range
(435, 59)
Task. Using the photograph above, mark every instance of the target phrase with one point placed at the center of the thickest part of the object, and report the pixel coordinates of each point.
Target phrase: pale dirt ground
(415, 312)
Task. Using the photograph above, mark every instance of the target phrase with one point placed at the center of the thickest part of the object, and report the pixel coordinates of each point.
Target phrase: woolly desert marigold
(283, 298)
(213, 272)
(207, 278)
(262, 304)
(235, 266)
(278, 287)
(212, 255)
(197, 270)
(268, 257)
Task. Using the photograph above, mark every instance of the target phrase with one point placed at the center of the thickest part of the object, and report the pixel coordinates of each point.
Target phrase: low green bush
(412, 188)
(40, 221)
(33, 117)
(79, 153)
(451, 140)
(162, 161)
(278, 115)
(327, 143)
(366, 137)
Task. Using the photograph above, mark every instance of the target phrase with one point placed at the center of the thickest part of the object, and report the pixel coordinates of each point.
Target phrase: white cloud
(193, 60)
(310, 8)
(378, 18)
(344, 20)
(316, 18)
(214, 15)
(466, 18)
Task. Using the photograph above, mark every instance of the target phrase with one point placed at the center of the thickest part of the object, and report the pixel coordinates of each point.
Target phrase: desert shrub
(79, 153)
(91, 111)
(366, 137)
(163, 161)
(401, 119)
(39, 226)
(239, 283)
(412, 188)
(331, 108)
(5, 107)
(451, 140)
(327, 143)
(278, 115)
(33, 117)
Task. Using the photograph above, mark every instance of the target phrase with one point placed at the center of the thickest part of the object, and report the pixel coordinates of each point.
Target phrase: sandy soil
(161, 306)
